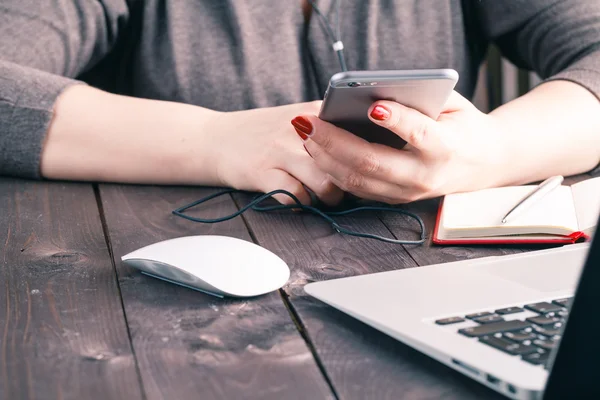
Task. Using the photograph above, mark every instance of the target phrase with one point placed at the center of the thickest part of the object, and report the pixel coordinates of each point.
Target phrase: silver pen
(543, 189)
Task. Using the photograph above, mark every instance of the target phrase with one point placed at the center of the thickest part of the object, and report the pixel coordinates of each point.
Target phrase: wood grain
(62, 329)
(361, 362)
(192, 345)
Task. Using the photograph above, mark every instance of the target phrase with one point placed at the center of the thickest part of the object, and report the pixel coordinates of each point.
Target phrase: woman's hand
(258, 150)
(458, 152)
(105, 137)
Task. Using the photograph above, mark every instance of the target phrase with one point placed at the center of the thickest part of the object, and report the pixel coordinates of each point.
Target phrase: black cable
(339, 35)
(327, 215)
(337, 44)
(338, 25)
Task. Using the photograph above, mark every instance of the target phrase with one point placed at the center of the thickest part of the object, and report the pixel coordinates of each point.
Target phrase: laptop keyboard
(529, 332)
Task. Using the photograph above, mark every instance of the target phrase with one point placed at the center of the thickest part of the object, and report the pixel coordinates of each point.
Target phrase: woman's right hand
(259, 150)
(104, 137)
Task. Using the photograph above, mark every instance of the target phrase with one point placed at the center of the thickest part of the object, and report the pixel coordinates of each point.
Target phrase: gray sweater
(241, 54)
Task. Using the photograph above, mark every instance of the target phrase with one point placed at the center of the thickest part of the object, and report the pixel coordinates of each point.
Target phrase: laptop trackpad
(556, 272)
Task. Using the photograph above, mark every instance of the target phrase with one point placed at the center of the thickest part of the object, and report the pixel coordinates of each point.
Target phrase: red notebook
(566, 215)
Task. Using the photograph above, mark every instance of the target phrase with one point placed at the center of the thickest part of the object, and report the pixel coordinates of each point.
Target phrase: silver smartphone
(350, 94)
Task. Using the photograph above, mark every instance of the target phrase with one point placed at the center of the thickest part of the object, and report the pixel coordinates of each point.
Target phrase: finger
(345, 147)
(275, 179)
(417, 129)
(306, 170)
(334, 140)
(404, 197)
(380, 162)
(356, 183)
(354, 160)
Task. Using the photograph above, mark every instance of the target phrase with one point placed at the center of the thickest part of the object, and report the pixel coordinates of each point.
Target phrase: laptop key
(546, 344)
(478, 314)
(450, 320)
(542, 320)
(566, 302)
(507, 346)
(488, 319)
(537, 358)
(509, 310)
(549, 331)
(496, 327)
(520, 336)
(543, 307)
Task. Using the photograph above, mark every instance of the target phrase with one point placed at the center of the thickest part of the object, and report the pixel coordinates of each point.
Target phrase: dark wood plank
(361, 362)
(62, 330)
(190, 344)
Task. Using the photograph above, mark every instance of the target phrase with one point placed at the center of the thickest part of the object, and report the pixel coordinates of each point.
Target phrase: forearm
(552, 130)
(100, 136)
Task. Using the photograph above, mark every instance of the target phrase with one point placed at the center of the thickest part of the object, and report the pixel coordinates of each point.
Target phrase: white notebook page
(586, 196)
(486, 208)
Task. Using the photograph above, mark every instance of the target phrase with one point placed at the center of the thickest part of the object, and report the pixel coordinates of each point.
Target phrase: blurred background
(500, 81)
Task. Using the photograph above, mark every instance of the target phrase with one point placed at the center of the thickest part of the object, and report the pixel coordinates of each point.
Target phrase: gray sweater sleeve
(44, 46)
(559, 39)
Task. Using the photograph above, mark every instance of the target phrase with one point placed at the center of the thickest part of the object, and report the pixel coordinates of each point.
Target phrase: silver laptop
(510, 322)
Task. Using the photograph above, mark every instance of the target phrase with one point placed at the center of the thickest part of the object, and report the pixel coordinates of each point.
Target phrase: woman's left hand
(458, 152)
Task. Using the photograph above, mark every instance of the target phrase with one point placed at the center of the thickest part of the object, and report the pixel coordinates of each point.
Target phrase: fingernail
(380, 113)
(303, 127)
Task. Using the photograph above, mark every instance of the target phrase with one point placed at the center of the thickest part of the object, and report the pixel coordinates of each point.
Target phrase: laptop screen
(575, 373)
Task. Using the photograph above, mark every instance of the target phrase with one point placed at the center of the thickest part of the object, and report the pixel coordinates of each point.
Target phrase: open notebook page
(486, 208)
(586, 196)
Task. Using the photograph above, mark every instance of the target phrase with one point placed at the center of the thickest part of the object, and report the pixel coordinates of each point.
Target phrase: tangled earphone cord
(327, 215)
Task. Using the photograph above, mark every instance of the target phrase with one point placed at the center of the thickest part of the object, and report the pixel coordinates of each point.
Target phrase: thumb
(416, 128)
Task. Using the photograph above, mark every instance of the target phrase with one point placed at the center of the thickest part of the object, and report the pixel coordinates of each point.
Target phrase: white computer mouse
(217, 265)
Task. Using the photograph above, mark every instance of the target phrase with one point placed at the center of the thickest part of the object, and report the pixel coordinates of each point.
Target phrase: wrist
(199, 144)
(485, 155)
(501, 165)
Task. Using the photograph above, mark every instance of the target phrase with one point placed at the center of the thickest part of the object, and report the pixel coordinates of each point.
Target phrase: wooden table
(75, 323)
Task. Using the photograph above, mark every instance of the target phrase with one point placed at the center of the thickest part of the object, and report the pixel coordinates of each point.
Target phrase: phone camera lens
(353, 84)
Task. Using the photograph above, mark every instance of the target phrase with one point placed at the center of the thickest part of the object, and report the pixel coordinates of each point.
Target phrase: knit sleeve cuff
(27, 98)
(585, 72)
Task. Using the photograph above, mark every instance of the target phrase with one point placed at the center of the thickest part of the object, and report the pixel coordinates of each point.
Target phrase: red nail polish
(303, 127)
(301, 134)
(380, 113)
